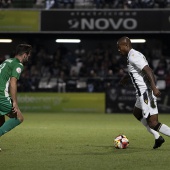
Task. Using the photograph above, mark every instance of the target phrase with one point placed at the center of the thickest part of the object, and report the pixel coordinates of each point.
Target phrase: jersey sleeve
(17, 70)
(138, 60)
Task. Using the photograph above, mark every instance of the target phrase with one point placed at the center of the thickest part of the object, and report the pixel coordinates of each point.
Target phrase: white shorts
(147, 103)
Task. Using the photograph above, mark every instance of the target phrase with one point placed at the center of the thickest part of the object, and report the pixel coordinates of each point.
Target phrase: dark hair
(23, 48)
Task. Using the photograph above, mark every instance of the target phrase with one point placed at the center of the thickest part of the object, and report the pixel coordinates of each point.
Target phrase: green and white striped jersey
(9, 68)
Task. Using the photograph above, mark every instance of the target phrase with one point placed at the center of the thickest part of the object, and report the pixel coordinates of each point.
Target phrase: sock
(9, 125)
(153, 132)
(165, 130)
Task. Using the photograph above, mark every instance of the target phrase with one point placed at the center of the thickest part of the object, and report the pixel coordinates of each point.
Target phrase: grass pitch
(81, 142)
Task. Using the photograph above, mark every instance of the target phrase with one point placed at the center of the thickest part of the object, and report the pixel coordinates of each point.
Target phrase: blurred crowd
(113, 4)
(68, 66)
(100, 67)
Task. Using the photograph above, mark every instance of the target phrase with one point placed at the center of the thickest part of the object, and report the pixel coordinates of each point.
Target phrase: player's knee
(20, 118)
(138, 116)
(155, 125)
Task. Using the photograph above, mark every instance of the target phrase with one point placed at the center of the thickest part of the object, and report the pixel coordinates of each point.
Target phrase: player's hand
(156, 92)
(15, 109)
(13, 113)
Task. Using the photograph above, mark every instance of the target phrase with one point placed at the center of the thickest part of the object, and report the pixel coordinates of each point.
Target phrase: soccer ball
(121, 142)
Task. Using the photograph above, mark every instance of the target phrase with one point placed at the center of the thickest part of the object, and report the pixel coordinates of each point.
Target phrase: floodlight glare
(5, 40)
(68, 40)
(137, 40)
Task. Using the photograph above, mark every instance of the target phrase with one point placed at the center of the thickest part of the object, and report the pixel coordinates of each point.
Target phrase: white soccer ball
(121, 142)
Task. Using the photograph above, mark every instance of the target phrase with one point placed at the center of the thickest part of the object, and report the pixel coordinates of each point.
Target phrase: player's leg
(153, 117)
(137, 112)
(2, 120)
(156, 125)
(159, 140)
(11, 123)
(14, 119)
(148, 106)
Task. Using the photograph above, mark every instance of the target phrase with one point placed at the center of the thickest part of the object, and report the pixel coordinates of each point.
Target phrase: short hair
(23, 48)
(125, 40)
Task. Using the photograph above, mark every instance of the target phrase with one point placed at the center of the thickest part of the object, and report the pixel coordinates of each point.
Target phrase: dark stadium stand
(113, 4)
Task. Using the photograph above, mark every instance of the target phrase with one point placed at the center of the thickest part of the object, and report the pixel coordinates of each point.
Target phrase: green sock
(9, 125)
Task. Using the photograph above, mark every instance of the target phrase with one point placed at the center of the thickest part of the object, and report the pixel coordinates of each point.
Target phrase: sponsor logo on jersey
(146, 101)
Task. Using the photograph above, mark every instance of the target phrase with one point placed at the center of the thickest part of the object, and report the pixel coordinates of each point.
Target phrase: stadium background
(82, 137)
(84, 77)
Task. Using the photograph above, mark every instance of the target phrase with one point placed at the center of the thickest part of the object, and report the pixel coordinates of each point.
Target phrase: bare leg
(138, 114)
(159, 140)
(156, 125)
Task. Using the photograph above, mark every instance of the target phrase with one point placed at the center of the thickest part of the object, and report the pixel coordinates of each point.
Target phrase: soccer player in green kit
(10, 71)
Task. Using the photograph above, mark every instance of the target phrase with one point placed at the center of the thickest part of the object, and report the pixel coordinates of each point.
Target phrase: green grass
(81, 142)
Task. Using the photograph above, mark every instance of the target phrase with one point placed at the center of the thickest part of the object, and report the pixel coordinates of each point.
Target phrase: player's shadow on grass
(110, 150)
(130, 149)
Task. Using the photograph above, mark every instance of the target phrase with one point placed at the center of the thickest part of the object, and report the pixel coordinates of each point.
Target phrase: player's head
(124, 45)
(23, 51)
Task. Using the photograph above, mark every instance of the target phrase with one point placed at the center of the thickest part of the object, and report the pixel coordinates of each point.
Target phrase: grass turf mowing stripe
(81, 142)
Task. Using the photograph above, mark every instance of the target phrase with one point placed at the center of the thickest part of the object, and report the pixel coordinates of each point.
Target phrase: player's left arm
(13, 92)
(149, 73)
